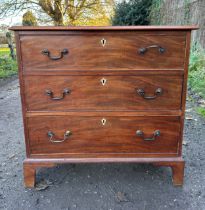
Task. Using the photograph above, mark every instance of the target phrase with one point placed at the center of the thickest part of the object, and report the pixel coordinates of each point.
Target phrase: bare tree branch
(61, 12)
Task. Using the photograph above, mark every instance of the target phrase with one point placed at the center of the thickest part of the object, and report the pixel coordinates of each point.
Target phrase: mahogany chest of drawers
(103, 94)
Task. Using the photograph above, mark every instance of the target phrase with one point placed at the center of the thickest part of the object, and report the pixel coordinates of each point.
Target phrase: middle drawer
(114, 93)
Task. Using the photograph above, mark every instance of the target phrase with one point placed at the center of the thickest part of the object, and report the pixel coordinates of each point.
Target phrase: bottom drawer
(96, 135)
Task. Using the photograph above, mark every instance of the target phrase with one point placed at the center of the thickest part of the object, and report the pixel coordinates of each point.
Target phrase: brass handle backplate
(62, 53)
(158, 92)
(155, 134)
(143, 50)
(51, 94)
(51, 136)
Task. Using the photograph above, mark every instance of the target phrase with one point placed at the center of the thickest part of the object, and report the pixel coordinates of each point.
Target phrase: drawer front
(89, 135)
(102, 51)
(103, 93)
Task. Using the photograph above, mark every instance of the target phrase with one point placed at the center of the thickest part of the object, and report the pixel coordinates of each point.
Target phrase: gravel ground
(97, 186)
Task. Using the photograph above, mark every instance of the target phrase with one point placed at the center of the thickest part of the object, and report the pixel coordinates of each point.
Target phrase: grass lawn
(4, 51)
(8, 67)
(201, 111)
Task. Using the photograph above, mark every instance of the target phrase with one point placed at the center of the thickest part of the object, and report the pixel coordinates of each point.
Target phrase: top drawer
(103, 51)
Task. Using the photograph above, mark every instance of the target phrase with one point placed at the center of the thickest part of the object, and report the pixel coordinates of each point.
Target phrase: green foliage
(133, 12)
(197, 70)
(29, 19)
(8, 67)
(201, 111)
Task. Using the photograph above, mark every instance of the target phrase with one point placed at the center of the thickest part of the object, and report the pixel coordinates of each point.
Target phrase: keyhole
(103, 81)
(103, 121)
(103, 42)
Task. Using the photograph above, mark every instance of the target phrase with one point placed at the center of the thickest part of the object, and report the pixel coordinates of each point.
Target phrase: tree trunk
(10, 45)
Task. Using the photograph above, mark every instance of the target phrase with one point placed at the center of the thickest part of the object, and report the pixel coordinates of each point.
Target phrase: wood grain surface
(118, 135)
(88, 93)
(87, 53)
(103, 28)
